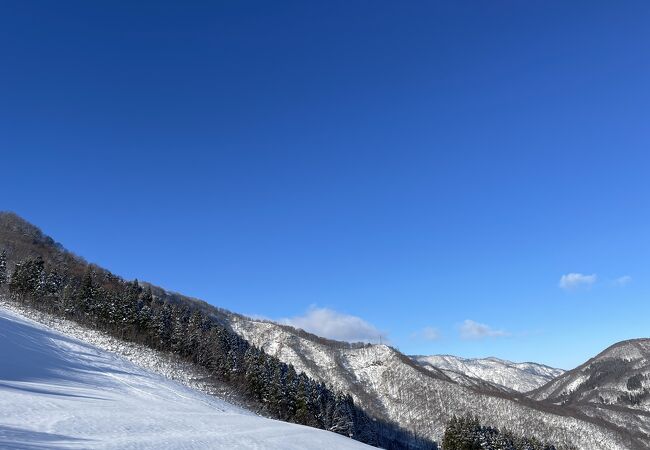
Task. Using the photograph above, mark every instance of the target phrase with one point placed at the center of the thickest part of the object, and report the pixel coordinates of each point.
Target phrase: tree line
(466, 433)
(129, 311)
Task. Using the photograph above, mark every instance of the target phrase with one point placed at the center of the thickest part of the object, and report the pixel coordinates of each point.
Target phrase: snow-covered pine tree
(3, 268)
(195, 329)
(277, 401)
(304, 409)
(27, 279)
(343, 417)
(466, 433)
(146, 296)
(179, 330)
(128, 304)
(86, 294)
(66, 300)
(162, 325)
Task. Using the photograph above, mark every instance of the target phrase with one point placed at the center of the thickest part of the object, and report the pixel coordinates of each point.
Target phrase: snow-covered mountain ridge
(520, 377)
(613, 386)
(391, 384)
(386, 383)
(62, 393)
(620, 375)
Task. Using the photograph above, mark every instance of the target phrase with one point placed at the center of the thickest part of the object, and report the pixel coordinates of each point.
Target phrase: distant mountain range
(519, 377)
(602, 404)
(399, 388)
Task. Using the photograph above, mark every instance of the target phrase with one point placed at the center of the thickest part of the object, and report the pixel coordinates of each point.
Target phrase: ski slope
(57, 392)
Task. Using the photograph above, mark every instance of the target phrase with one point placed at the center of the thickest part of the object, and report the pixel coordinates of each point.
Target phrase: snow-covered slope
(613, 386)
(620, 375)
(60, 392)
(82, 395)
(520, 377)
(394, 386)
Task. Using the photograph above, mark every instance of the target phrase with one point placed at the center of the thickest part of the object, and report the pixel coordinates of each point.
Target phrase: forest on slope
(37, 272)
(61, 392)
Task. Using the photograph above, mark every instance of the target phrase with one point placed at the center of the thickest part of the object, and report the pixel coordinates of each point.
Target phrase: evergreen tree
(27, 279)
(343, 415)
(179, 331)
(147, 295)
(195, 330)
(66, 303)
(144, 323)
(86, 293)
(128, 305)
(162, 326)
(466, 433)
(3, 268)
(277, 403)
(305, 402)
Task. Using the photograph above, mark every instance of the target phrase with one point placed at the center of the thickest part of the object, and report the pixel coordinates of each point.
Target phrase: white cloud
(259, 317)
(332, 324)
(427, 333)
(574, 280)
(623, 281)
(474, 330)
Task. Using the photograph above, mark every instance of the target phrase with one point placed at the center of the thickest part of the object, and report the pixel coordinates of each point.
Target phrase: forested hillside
(38, 273)
(60, 392)
(467, 433)
(371, 393)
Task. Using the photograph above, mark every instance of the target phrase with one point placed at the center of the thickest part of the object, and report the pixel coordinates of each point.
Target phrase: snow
(58, 392)
(161, 363)
(520, 377)
(419, 399)
(600, 387)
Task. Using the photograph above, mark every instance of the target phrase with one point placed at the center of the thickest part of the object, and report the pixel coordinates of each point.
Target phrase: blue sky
(429, 170)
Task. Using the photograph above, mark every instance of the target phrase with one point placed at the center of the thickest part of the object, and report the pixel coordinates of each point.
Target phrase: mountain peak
(619, 375)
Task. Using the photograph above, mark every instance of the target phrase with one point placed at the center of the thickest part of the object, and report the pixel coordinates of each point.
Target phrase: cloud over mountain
(332, 324)
(470, 329)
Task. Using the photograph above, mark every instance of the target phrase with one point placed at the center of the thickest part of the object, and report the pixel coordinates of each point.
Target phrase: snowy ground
(59, 392)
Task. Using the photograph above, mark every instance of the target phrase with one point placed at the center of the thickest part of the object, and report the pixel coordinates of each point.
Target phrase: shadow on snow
(12, 438)
(32, 354)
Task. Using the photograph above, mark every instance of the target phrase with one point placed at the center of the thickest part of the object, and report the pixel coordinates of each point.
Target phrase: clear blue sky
(413, 164)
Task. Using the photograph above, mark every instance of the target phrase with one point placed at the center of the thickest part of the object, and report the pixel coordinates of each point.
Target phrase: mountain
(520, 377)
(620, 375)
(372, 392)
(613, 386)
(45, 279)
(392, 385)
(62, 393)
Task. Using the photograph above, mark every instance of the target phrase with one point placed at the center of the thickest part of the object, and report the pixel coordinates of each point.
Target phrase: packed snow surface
(57, 392)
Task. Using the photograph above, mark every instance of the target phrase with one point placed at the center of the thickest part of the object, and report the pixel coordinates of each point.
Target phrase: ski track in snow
(57, 392)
